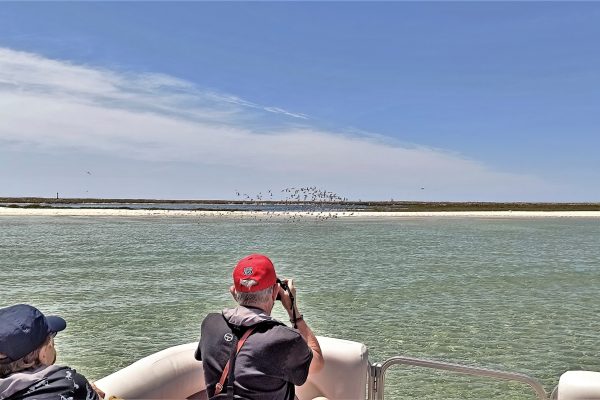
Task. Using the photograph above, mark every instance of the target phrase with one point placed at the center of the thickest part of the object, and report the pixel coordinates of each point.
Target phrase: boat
(348, 374)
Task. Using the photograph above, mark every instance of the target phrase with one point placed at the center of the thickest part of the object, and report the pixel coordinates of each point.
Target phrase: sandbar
(115, 212)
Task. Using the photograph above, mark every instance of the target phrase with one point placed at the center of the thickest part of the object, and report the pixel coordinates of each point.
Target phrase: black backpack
(220, 342)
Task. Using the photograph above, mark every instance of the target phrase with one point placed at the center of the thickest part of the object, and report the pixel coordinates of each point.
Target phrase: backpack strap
(229, 367)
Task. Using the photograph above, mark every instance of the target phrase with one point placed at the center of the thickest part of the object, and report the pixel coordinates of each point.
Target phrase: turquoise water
(511, 294)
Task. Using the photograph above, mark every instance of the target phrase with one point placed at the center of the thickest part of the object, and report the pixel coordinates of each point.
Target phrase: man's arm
(309, 337)
(317, 362)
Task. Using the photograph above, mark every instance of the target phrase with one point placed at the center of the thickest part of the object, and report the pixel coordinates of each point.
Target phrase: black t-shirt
(61, 384)
(273, 359)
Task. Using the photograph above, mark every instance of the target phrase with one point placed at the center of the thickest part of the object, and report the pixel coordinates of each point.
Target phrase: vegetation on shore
(382, 206)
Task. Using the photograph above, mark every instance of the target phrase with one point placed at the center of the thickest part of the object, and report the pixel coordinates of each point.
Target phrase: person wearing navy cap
(27, 357)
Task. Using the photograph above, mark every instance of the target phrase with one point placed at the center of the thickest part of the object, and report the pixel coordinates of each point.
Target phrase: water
(510, 294)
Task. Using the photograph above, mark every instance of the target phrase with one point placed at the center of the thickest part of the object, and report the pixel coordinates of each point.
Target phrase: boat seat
(174, 373)
(578, 385)
(344, 375)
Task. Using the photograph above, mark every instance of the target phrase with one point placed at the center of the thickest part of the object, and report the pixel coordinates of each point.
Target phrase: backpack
(224, 341)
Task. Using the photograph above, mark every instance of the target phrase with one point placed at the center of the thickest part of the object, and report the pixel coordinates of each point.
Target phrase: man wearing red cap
(246, 352)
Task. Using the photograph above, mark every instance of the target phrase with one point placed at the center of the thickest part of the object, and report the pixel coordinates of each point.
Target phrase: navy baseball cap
(23, 328)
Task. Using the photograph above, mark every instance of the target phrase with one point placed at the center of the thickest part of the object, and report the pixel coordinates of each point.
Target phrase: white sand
(102, 212)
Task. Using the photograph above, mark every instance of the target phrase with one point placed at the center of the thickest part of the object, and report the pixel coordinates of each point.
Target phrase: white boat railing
(377, 374)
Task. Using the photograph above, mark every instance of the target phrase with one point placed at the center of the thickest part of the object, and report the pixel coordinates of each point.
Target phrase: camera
(284, 286)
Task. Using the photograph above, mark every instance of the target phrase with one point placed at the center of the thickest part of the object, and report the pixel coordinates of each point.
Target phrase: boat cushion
(579, 385)
(344, 375)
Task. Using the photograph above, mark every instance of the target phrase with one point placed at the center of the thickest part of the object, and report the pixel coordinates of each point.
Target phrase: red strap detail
(219, 385)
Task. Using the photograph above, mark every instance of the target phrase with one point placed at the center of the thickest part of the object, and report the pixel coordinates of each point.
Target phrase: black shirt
(273, 359)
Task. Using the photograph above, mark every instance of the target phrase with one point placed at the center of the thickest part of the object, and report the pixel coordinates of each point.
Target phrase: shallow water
(510, 294)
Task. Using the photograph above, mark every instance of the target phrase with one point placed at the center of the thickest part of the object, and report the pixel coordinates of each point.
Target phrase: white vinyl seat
(578, 385)
(344, 375)
(174, 373)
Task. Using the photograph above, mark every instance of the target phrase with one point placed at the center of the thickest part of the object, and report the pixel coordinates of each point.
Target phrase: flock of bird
(295, 204)
(310, 194)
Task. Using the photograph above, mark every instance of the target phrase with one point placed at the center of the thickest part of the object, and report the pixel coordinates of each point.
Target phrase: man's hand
(284, 296)
(101, 394)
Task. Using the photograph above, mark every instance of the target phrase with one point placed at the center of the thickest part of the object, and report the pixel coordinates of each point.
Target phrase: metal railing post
(374, 382)
(378, 370)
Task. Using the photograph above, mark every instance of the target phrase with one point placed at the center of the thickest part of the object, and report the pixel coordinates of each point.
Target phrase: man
(27, 357)
(273, 358)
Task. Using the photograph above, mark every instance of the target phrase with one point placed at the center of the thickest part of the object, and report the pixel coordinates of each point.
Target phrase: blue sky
(477, 101)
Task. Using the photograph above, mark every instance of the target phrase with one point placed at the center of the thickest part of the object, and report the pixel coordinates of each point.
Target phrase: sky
(416, 101)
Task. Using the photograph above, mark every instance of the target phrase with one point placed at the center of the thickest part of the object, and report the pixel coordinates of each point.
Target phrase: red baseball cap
(256, 267)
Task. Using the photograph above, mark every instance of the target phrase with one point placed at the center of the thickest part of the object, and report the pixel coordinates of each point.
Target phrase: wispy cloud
(248, 104)
(277, 110)
(56, 106)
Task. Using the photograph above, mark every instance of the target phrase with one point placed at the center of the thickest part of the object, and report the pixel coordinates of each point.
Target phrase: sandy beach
(103, 212)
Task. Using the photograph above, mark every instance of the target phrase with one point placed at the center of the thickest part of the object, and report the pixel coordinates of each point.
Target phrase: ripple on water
(515, 295)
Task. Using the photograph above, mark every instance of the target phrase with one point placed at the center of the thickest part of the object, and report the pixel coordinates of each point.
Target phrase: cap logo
(247, 270)
(228, 337)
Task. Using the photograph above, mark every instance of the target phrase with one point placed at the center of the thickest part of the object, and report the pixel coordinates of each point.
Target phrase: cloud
(57, 107)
